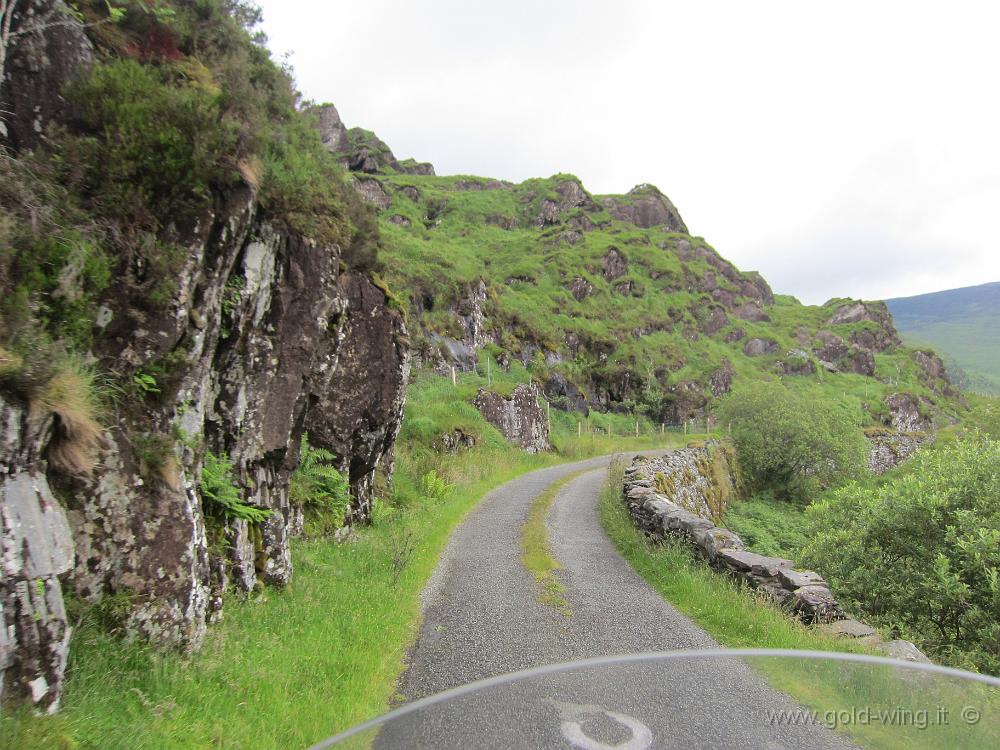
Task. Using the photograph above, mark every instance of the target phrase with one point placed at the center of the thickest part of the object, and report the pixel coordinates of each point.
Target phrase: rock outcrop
(757, 347)
(262, 335)
(361, 150)
(303, 345)
(905, 414)
(39, 66)
(36, 552)
(888, 448)
(519, 418)
(645, 206)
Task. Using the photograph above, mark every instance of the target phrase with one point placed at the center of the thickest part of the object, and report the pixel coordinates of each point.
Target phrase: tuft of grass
(72, 395)
(536, 552)
(9, 362)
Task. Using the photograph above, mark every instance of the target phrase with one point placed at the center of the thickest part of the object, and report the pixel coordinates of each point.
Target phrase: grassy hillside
(963, 325)
(611, 311)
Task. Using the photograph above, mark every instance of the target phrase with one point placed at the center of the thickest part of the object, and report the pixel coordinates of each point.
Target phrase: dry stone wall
(678, 512)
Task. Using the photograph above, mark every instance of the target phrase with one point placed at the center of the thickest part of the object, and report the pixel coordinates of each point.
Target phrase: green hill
(609, 301)
(962, 324)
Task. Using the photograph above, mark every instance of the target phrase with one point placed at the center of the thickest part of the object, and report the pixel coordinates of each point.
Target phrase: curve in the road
(483, 617)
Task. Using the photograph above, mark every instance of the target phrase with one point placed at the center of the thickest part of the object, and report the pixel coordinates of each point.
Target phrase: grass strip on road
(536, 551)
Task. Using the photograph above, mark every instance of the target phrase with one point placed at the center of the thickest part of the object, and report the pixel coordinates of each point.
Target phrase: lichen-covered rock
(372, 192)
(469, 310)
(519, 418)
(36, 550)
(880, 338)
(905, 414)
(721, 381)
(266, 336)
(614, 265)
(357, 391)
(580, 288)
(571, 195)
(39, 67)
(751, 311)
(889, 448)
(332, 130)
(697, 479)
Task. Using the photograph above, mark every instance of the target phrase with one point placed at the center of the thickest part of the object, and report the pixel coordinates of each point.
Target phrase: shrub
(790, 443)
(153, 144)
(922, 552)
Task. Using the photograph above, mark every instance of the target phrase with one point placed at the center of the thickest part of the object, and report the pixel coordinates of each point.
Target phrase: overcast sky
(842, 149)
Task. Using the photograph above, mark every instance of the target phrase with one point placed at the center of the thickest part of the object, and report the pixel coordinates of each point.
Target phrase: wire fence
(640, 428)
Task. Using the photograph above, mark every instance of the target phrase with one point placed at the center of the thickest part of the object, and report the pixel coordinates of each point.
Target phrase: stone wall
(698, 479)
(803, 593)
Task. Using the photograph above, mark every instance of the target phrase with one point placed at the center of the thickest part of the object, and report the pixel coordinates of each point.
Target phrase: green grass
(769, 526)
(536, 551)
(738, 618)
(652, 336)
(290, 667)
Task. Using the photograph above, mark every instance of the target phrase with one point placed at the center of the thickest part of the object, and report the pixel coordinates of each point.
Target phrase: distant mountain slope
(961, 324)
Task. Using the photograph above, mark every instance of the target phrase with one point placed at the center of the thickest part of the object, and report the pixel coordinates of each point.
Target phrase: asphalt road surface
(483, 617)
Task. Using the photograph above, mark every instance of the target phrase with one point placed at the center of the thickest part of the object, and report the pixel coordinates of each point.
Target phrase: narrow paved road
(483, 617)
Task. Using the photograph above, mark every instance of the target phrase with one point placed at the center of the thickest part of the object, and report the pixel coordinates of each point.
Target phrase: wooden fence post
(454, 377)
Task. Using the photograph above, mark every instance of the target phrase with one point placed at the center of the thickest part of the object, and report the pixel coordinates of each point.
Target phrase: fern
(320, 488)
(218, 487)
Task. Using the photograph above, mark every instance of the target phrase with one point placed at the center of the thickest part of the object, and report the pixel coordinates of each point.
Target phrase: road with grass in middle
(485, 615)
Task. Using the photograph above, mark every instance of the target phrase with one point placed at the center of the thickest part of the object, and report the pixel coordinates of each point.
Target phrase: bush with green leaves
(922, 552)
(789, 442)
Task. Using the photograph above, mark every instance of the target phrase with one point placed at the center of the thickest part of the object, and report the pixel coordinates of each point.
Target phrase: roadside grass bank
(288, 668)
(737, 618)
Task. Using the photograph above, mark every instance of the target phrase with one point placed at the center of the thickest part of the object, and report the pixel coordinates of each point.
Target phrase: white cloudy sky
(842, 149)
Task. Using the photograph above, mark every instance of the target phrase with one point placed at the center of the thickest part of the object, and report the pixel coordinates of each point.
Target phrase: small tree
(922, 552)
(790, 442)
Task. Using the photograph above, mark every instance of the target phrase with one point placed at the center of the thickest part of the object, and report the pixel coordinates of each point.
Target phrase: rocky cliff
(247, 334)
